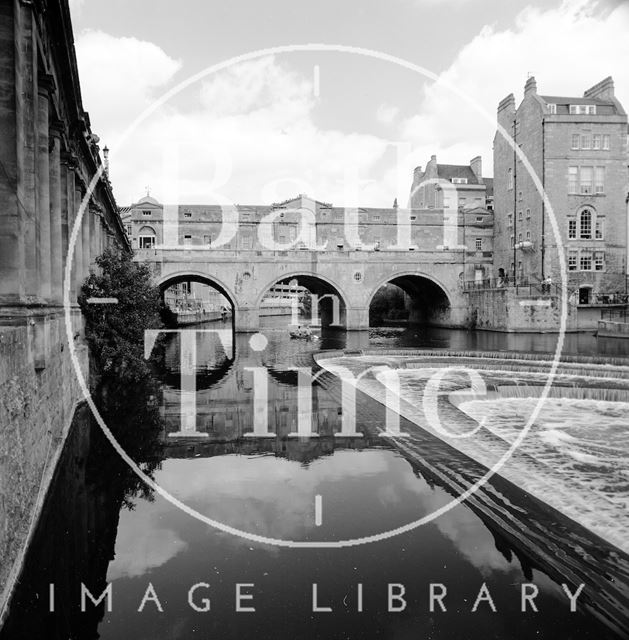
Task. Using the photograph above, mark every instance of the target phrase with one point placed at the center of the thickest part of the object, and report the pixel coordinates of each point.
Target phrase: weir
(549, 461)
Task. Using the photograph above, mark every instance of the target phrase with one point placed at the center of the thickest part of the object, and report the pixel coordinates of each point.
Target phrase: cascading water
(575, 457)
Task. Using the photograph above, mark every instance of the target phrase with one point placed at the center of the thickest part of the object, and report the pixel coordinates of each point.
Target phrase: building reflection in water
(101, 524)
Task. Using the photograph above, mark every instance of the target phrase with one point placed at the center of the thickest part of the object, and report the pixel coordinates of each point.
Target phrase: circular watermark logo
(258, 344)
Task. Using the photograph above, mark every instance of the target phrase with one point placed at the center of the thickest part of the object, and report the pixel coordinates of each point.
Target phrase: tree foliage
(115, 332)
(387, 304)
(124, 388)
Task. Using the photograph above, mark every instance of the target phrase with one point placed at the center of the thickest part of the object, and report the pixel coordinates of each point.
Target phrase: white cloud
(137, 554)
(253, 122)
(282, 505)
(258, 122)
(76, 7)
(257, 86)
(568, 49)
(387, 114)
(119, 77)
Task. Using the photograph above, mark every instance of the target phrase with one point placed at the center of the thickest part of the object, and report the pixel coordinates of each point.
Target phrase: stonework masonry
(39, 392)
(48, 158)
(577, 146)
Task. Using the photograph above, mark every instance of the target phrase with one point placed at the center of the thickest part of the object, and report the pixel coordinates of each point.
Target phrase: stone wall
(610, 329)
(39, 393)
(511, 310)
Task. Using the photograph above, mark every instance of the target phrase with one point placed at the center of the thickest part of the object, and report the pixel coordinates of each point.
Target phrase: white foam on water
(575, 457)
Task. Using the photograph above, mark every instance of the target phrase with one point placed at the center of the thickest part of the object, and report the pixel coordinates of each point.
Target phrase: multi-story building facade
(466, 230)
(49, 158)
(577, 147)
(451, 185)
(463, 191)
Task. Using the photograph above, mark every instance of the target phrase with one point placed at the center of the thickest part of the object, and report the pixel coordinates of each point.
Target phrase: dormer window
(583, 109)
(459, 180)
(552, 108)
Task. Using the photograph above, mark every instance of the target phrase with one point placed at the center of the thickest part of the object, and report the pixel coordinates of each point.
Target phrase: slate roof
(449, 171)
(567, 100)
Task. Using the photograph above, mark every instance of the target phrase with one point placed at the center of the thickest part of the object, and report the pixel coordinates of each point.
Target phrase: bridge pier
(357, 319)
(246, 320)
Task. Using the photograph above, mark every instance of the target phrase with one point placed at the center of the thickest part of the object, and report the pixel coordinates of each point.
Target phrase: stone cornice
(46, 84)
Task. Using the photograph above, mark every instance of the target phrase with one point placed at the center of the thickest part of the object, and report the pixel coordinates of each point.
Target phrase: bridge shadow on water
(100, 525)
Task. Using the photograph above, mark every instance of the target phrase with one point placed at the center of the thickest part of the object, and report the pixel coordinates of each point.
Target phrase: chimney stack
(604, 90)
(530, 86)
(476, 165)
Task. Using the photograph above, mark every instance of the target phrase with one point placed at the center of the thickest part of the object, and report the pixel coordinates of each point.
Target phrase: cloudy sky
(342, 127)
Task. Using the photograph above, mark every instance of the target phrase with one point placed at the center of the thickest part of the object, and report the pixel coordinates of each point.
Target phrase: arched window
(146, 238)
(585, 224)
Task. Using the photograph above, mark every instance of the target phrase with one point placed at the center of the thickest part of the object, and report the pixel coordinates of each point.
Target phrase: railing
(521, 285)
(536, 287)
(610, 298)
(615, 315)
(489, 283)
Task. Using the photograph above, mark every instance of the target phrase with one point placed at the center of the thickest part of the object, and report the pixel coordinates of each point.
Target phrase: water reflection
(223, 405)
(268, 486)
(583, 344)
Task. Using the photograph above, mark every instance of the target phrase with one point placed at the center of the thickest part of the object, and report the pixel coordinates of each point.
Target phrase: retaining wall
(39, 393)
(511, 310)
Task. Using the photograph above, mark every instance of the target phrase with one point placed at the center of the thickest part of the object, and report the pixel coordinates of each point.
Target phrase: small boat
(302, 333)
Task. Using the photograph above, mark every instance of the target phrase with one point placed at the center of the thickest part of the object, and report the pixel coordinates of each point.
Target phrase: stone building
(451, 185)
(577, 146)
(463, 190)
(49, 157)
(467, 231)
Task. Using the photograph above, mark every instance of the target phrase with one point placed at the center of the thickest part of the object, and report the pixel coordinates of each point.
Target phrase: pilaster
(43, 188)
(56, 240)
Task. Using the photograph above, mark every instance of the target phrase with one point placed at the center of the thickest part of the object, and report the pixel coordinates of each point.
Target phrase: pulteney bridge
(428, 258)
(431, 279)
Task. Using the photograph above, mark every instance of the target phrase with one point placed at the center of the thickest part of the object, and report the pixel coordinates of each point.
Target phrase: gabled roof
(297, 200)
(449, 171)
(567, 100)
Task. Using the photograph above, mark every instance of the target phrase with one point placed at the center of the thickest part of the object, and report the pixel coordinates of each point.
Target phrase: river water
(277, 518)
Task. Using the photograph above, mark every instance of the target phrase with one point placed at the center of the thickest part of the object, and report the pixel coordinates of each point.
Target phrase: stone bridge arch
(244, 278)
(324, 287)
(177, 277)
(430, 300)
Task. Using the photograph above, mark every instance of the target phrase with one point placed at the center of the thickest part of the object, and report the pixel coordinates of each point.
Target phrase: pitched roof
(567, 100)
(449, 171)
